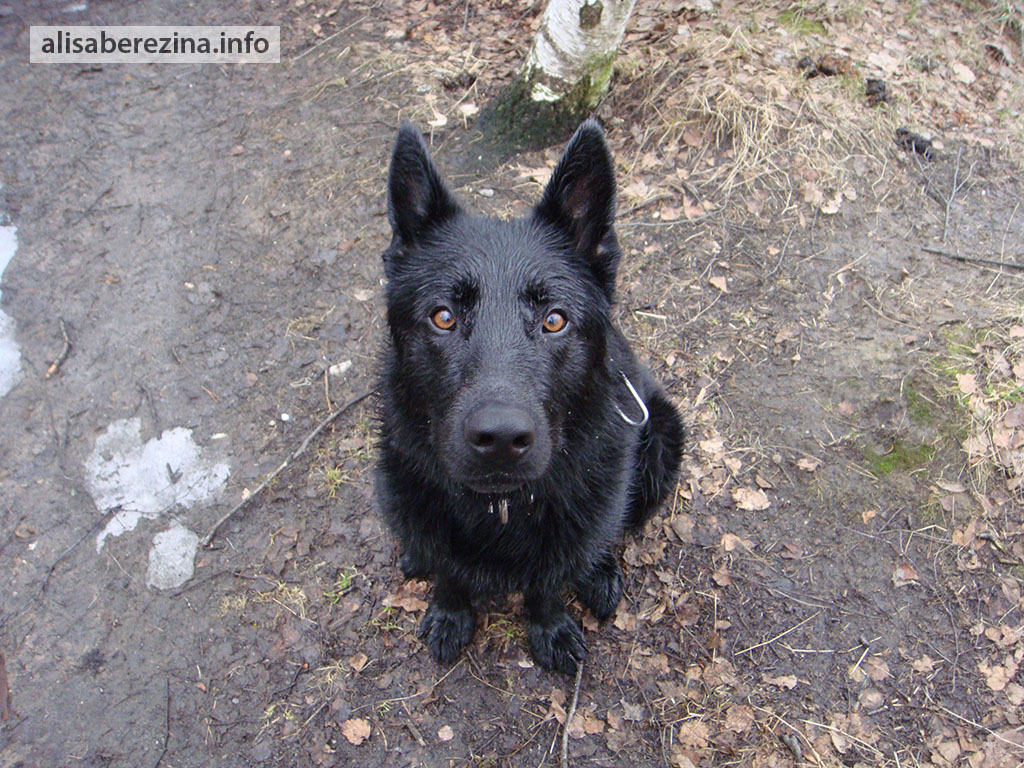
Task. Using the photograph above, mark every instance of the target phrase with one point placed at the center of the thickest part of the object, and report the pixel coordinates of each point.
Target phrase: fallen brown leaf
(876, 667)
(356, 731)
(751, 499)
(789, 682)
(903, 575)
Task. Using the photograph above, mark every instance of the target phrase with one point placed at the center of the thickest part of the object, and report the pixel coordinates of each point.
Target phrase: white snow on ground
(171, 558)
(10, 354)
(146, 480)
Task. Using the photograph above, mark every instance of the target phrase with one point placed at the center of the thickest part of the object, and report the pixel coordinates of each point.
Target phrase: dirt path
(209, 239)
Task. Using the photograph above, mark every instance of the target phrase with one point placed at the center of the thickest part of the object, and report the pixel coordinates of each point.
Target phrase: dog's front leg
(449, 622)
(601, 589)
(556, 641)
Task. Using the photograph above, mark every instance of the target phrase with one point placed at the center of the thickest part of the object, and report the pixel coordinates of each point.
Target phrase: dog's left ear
(580, 200)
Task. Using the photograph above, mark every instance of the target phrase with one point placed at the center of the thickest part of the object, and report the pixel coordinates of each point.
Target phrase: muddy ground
(209, 239)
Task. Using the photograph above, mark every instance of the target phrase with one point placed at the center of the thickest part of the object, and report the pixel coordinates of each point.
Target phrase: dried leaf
(406, 599)
(876, 667)
(868, 515)
(967, 383)
(808, 463)
(730, 541)
(722, 577)
(693, 733)
(719, 281)
(751, 499)
(789, 682)
(831, 206)
(670, 213)
(713, 446)
(904, 574)
(925, 665)
(592, 724)
(963, 73)
(682, 525)
(634, 712)
(739, 718)
(625, 620)
(356, 730)
(358, 661)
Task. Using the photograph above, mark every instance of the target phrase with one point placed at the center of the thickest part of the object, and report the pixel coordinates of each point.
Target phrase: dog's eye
(554, 322)
(443, 319)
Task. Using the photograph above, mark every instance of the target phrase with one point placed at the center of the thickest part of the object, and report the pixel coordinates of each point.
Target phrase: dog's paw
(558, 647)
(446, 632)
(602, 591)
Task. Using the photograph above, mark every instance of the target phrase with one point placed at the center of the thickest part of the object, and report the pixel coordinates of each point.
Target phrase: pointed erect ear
(417, 196)
(580, 200)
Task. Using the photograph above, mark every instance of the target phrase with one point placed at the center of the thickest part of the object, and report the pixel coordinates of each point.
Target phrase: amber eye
(554, 322)
(443, 319)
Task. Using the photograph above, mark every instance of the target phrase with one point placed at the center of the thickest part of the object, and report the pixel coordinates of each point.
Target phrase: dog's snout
(500, 434)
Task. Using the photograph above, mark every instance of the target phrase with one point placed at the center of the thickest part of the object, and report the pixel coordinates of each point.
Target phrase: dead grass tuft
(741, 118)
(983, 373)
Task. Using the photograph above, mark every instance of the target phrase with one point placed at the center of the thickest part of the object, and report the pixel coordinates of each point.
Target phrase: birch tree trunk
(566, 72)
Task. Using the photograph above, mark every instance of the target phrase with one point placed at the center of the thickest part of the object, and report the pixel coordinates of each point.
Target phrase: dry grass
(741, 122)
(726, 103)
(982, 371)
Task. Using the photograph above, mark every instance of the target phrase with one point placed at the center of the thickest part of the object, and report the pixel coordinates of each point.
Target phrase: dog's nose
(501, 434)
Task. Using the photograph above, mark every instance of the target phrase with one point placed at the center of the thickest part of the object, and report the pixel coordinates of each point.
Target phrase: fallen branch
(972, 259)
(285, 464)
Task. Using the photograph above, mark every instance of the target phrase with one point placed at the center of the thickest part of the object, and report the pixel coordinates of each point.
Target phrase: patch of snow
(171, 558)
(10, 354)
(144, 480)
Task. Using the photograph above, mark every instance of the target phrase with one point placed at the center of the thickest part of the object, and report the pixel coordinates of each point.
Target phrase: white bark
(576, 43)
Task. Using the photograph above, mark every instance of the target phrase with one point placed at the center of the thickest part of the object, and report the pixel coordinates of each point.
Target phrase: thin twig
(981, 727)
(570, 713)
(779, 636)
(331, 37)
(412, 726)
(284, 465)
(647, 202)
(956, 188)
(952, 194)
(167, 726)
(971, 259)
(1002, 245)
(63, 353)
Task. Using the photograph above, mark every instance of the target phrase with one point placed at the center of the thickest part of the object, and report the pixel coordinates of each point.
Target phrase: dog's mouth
(497, 483)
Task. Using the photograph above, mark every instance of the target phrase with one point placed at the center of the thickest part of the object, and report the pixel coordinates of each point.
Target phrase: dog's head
(499, 327)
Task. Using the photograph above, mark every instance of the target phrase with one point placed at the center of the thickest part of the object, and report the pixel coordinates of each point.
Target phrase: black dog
(520, 437)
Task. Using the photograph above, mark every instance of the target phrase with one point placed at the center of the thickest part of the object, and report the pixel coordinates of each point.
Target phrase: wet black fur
(589, 476)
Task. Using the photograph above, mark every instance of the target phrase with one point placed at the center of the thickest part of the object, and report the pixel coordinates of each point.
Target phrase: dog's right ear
(418, 198)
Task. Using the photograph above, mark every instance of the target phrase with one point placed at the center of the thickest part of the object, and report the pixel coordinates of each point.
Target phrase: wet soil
(210, 238)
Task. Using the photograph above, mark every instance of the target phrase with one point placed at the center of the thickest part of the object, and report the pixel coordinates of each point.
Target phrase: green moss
(919, 408)
(796, 23)
(514, 119)
(902, 457)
